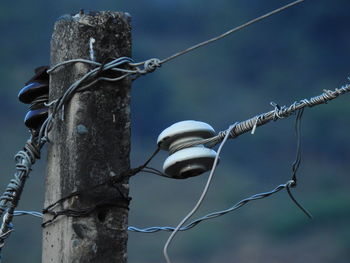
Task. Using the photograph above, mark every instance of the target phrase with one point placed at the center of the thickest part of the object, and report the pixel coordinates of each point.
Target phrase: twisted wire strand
(9, 200)
(194, 222)
(213, 214)
(82, 212)
(30, 213)
(264, 118)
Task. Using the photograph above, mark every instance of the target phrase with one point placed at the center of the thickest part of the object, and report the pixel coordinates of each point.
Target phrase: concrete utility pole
(90, 145)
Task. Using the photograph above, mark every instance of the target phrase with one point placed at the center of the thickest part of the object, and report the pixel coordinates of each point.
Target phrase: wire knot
(291, 183)
(150, 65)
(33, 149)
(278, 111)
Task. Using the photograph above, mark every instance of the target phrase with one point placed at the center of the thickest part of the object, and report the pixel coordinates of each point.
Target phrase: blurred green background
(293, 55)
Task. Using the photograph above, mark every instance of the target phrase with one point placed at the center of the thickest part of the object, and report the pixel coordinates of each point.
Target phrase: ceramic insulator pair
(187, 162)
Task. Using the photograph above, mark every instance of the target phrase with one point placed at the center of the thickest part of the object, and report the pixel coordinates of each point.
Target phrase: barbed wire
(279, 112)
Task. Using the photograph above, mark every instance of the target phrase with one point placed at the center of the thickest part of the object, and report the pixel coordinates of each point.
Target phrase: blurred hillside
(293, 55)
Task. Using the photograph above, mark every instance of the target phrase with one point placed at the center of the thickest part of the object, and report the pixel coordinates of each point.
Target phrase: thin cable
(296, 164)
(28, 213)
(307, 213)
(152, 64)
(213, 214)
(82, 212)
(204, 43)
(200, 200)
(152, 170)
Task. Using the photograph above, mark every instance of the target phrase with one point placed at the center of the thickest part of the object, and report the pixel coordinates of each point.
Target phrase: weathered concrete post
(90, 145)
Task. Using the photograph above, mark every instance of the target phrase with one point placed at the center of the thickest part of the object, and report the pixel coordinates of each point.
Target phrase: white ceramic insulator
(184, 130)
(189, 162)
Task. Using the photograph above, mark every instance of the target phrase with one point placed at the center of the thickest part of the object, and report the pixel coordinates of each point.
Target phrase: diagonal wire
(151, 64)
(227, 33)
(253, 21)
(201, 198)
(213, 214)
(296, 164)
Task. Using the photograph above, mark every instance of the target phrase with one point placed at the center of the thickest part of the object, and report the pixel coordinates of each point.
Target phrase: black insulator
(40, 74)
(35, 118)
(37, 86)
(33, 90)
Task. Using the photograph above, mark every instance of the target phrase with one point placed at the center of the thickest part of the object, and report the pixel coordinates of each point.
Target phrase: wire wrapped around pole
(9, 200)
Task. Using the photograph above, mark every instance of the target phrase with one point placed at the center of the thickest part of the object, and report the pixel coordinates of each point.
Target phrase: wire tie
(291, 183)
(49, 104)
(150, 65)
(256, 124)
(277, 108)
(62, 113)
